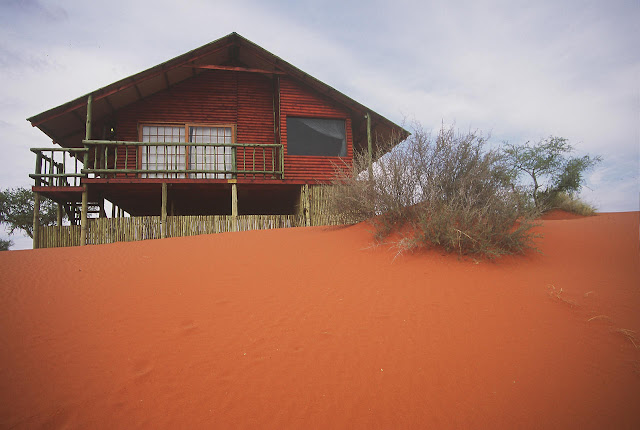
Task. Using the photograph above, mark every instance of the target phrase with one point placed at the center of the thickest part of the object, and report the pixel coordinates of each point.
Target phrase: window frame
(186, 126)
(335, 118)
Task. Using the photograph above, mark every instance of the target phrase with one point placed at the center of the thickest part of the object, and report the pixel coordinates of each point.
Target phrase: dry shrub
(448, 190)
(569, 203)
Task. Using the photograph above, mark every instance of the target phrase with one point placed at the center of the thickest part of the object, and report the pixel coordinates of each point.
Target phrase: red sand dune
(315, 328)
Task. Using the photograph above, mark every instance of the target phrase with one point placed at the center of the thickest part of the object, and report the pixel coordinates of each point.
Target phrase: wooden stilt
(307, 215)
(113, 210)
(234, 206)
(36, 219)
(83, 215)
(163, 211)
(59, 215)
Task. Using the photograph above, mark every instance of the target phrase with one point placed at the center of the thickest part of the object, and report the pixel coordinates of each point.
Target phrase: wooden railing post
(38, 168)
(83, 215)
(163, 211)
(36, 220)
(234, 161)
(281, 151)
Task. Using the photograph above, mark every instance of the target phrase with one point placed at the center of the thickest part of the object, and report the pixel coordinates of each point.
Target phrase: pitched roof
(65, 124)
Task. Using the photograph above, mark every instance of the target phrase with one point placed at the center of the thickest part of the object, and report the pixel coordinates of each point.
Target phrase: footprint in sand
(61, 418)
(188, 327)
(141, 369)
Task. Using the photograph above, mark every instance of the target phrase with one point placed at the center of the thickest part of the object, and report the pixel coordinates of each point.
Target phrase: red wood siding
(246, 100)
(298, 100)
(243, 99)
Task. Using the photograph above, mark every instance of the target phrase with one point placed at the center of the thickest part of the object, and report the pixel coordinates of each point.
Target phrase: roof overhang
(65, 124)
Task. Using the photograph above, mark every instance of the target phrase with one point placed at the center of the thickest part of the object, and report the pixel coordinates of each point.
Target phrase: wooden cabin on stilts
(226, 137)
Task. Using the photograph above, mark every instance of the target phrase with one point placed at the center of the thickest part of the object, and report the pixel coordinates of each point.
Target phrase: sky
(517, 70)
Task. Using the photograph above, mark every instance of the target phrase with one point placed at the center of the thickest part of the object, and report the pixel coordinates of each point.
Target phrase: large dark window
(316, 136)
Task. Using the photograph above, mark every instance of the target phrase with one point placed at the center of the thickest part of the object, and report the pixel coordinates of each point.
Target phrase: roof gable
(65, 124)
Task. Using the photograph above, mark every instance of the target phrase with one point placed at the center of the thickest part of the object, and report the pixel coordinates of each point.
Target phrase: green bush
(445, 191)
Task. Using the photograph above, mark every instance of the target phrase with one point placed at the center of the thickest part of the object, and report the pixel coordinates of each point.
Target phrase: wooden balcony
(105, 159)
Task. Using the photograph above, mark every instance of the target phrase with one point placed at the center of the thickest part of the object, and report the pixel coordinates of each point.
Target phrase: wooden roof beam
(137, 91)
(78, 117)
(235, 69)
(106, 99)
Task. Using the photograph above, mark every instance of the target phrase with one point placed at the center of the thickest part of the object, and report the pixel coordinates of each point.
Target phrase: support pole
(102, 214)
(36, 220)
(306, 203)
(83, 215)
(59, 215)
(234, 206)
(369, 146)
(163, 211)
(113, 210)
(87, 135)
(89, 108)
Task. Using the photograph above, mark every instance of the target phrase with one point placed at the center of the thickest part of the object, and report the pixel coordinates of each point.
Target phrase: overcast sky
(519, 70)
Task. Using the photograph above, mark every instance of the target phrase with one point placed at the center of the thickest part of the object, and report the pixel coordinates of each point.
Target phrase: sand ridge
(317, 328)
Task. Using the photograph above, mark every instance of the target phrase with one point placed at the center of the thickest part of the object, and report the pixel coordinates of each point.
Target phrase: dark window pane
(316, 136)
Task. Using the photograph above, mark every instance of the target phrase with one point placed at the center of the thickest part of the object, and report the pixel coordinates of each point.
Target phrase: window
(316, 136)
(206, 151)
(163, 157)
(214, 158)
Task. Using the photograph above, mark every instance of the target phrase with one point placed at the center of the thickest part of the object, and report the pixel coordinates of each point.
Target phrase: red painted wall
(299, 100)
(243, 99)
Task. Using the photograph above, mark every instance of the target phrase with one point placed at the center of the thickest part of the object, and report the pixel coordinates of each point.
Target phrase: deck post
(83, 215)
(36, 219)
(163, 211)
(234, 206)
(369, 146)
(89, 108)
(59, 215)
(306, 205)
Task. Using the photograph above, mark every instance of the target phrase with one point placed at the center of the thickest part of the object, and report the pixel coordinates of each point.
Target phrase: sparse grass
(599, 317)
(569, 203)
(557, 295)
(629, 334)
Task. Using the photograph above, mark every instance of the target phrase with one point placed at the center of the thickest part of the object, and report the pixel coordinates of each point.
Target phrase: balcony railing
(58, 167)
(175, 160)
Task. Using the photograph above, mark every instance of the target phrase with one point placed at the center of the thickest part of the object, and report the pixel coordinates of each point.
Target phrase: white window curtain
(163, 157)
(175, 157)
(217, 158)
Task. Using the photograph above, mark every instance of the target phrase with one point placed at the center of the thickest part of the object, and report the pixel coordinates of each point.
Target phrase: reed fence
(110, 230)
(320, 210)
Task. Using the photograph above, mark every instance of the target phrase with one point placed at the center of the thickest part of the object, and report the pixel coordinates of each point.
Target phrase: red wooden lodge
(225, 137)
